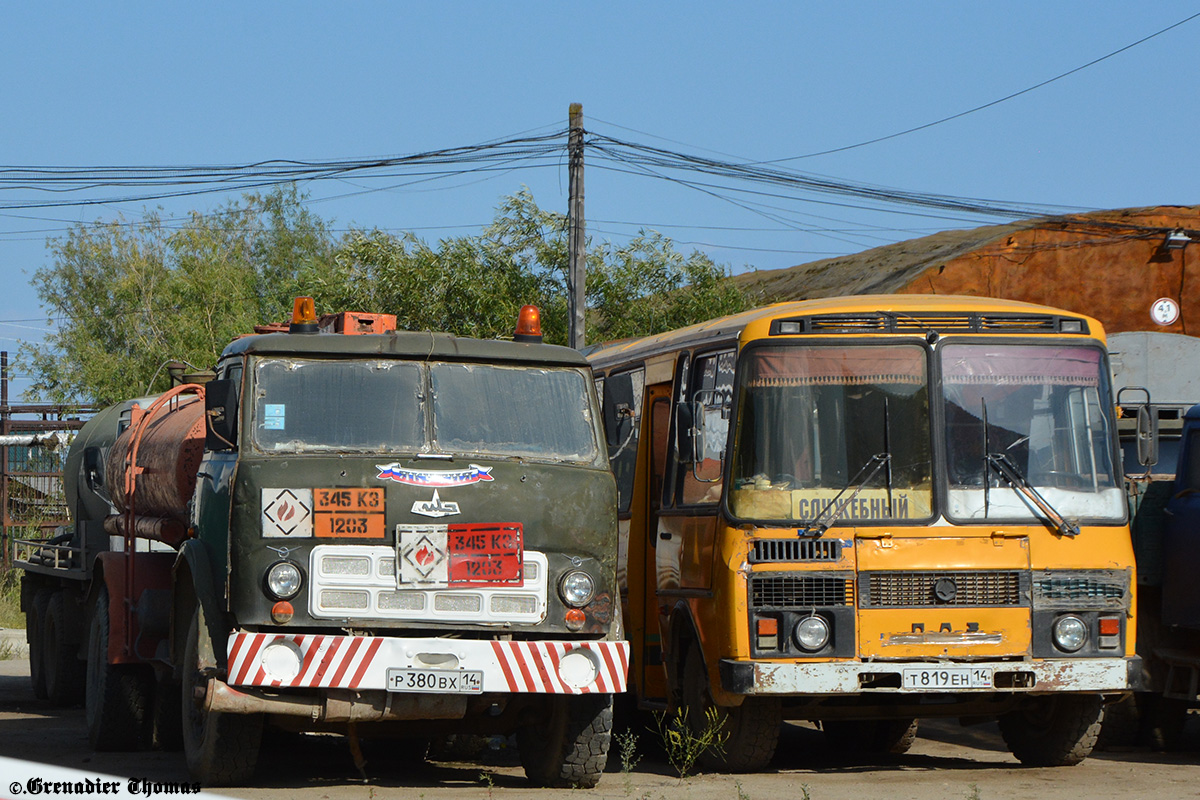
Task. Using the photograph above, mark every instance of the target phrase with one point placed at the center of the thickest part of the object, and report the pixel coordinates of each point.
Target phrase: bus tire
(1054, 731)
(752, 728)
(873, 736)
(569, 746)
(64, 674)
(118, 696)
(34, 619)
(221, 749)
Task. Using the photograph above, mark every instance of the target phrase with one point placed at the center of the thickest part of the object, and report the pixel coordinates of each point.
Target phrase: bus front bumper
(911, 677)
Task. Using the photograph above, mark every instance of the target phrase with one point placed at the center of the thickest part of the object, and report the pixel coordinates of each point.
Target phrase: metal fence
(33, 451)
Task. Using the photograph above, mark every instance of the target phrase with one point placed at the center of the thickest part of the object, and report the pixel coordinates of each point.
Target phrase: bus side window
(622, 406)
(708, 398)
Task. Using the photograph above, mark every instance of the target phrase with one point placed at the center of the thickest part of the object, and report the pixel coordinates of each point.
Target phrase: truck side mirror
(1147, 436)
(221, 412)
(93, 468)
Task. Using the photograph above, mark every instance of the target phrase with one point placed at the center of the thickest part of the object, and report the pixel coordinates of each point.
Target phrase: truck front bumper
(856, 677)
(362, 663)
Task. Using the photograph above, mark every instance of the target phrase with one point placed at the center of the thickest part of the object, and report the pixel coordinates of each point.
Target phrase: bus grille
(897, 322)
(768, 551)
(800, 591)
(1088, 590)
(919, 589)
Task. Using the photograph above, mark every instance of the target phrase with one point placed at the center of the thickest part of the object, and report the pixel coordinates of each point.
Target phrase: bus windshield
(832, 433)
(1038, 409)
(537, 413)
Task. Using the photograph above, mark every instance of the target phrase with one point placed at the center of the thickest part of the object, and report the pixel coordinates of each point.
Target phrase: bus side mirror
(684, 434)
(221, 411)
(1147, 436)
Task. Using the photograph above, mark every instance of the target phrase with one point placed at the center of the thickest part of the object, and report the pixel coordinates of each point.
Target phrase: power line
(1006, 98)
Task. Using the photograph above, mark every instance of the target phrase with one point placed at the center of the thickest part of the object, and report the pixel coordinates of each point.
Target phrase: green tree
(127, 297)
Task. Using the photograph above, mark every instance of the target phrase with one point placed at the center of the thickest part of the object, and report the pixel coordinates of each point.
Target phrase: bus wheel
(221, 749)
(752, 728)
(118, 696)
(874, 736)
(1053, 731)
(569, 745)
(64, 674)
(33, 634)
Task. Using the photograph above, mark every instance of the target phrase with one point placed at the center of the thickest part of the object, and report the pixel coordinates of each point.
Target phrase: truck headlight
(284, 580)
(812, 633)
(576, 588)
(1070, 633)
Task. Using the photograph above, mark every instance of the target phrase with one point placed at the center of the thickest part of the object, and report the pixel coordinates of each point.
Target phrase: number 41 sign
(1164, 311)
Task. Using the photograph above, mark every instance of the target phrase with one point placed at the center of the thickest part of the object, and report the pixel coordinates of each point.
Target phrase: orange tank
(169, 455)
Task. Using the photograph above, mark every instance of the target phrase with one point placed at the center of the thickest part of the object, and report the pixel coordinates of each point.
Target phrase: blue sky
(219, 83)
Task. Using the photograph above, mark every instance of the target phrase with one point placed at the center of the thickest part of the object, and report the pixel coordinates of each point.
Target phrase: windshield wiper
(1006, 469)
(823, 520)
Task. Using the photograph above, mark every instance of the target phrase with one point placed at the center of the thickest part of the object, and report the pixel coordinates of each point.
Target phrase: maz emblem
(435, 507)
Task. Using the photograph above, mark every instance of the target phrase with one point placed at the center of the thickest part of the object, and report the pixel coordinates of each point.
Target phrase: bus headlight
(576, 588)
(812, 633)
(1070, 633)
(284, 580)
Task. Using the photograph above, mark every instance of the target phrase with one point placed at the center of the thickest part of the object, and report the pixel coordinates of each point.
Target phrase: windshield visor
(1046, 411)
(833, 434)
(445, 408)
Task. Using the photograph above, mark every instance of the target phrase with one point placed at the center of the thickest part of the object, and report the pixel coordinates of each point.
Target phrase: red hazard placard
(488, 554)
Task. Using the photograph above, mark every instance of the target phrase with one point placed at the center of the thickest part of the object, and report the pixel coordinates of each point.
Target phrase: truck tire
(1054, 731)
(221, 749)
(117, 703)
(34, 620)
(752, 728)
(64, 672)
(871, 736)
(569, 746)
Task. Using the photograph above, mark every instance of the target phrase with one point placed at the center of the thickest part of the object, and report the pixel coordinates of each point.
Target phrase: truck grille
(768, 551)
(919, 589)
(800, 591)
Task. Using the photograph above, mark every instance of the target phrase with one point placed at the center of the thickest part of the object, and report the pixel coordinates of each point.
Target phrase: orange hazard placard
(348, 513)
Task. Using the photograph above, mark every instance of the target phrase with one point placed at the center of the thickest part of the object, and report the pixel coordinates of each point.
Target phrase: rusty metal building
(1113, 265)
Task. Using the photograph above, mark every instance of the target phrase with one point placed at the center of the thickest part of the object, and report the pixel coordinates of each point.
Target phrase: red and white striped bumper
(362, 662)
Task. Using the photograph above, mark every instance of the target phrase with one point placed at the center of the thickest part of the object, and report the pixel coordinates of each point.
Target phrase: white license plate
(948, 678)
(449, 681)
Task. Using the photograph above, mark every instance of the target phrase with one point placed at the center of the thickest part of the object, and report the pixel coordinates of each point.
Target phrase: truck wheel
(873, 736)
(34, 619)
(221, 749)
(117, 703)
(752, 727)
(569, 745)
(1054, 731)
(64, 672)
(1163, 720)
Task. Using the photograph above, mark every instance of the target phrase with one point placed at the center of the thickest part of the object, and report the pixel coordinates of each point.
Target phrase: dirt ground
(948, 761)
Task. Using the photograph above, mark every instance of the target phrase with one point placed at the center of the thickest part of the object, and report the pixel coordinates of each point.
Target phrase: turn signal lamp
(574, 619)
(529, 325)
(282, 612)
(304, 316)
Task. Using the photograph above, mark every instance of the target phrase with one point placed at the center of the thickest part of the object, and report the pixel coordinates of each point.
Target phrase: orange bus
(863, 511)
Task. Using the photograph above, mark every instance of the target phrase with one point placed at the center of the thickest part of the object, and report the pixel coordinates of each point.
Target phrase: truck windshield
(1043, 410)
(541, 413)
(814, 421)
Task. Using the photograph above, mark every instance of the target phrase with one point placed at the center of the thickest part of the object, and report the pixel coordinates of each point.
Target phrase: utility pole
(577, 266)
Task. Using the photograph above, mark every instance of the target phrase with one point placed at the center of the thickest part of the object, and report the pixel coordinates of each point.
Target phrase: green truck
(347, 529)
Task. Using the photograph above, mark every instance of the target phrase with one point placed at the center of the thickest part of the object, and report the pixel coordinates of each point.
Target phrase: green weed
(685, 745)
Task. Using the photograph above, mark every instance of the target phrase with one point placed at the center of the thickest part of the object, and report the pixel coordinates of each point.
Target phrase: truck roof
(423, 345)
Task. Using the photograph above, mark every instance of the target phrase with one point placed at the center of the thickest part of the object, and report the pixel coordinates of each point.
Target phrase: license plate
(948, 678)
(451, 681)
